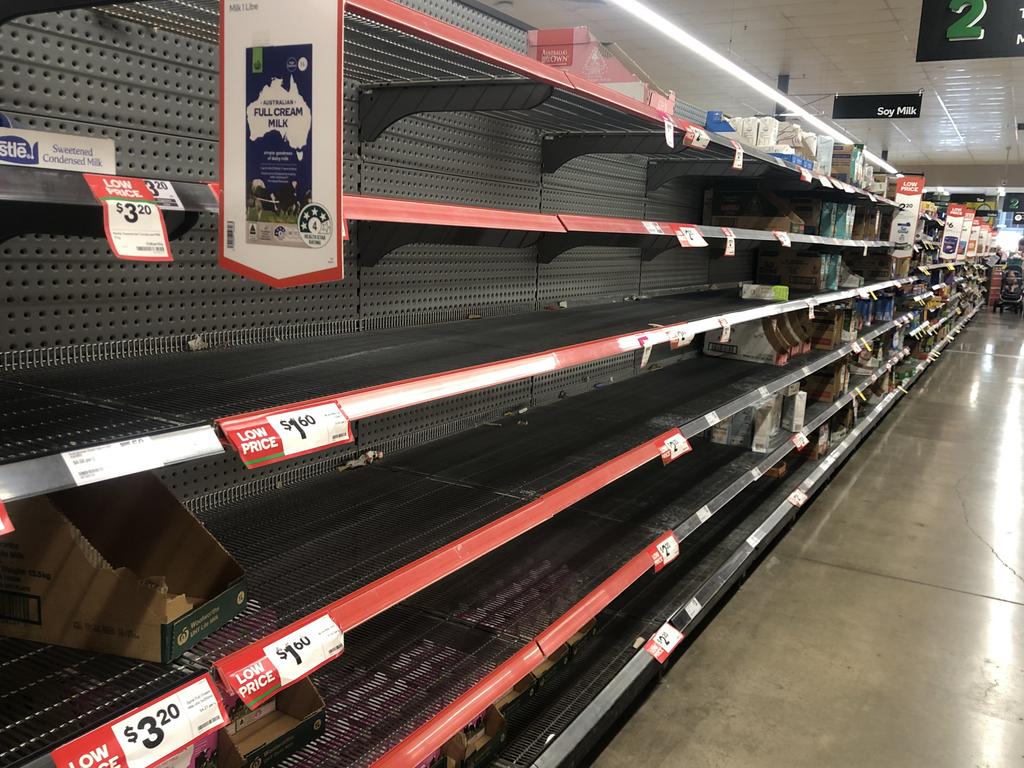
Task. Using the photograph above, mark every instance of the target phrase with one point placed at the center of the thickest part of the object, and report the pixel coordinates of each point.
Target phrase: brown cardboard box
(809, 210)
(754, 342)
(828, 384)
(827, 328)
(867, 224)
(273, 731)
(788, 223)
(819, 444)
(118, 567)
(801, 272)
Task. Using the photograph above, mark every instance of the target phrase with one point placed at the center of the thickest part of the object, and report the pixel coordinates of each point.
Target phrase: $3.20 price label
(268, 437)
(150, 734)
(132, 220)
(663, 642)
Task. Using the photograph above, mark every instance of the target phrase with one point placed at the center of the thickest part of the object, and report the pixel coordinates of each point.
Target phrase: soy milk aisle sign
(281, 216)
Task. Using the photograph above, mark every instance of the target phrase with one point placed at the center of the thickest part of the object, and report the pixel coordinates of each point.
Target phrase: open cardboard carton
(270, 733)
(118, 567)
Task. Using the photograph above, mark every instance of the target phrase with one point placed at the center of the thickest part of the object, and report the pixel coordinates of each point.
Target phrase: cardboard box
(279, 728)
(867, 223)
(736, 430)
(823, 157)
(810, 210)
(767, 419)
(827, 328)
(819, 444)
(202, 754)
(847, 162)
(754, 342)
(765, 292)
(117, 567)
(828, 384)
(793, 410)
(767, 131)
(801, 272)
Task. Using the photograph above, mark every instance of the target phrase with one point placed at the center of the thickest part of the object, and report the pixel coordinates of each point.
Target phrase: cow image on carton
(118, 567)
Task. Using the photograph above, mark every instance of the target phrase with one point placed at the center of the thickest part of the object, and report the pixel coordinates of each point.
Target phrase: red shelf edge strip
(436, 732)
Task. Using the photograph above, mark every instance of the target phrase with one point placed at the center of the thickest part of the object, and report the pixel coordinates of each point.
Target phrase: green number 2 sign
(966, 27)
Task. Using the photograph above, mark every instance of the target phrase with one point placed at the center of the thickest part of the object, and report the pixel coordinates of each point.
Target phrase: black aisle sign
(1013, 202)
(970, 29)
(881, 106)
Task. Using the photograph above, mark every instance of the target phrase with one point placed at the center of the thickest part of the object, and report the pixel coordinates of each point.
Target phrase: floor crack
(978, 536)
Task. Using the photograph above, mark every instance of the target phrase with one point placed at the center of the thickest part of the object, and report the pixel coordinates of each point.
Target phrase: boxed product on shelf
(873, 267)
(746, 129)
(118, 567)
(827, 327)
(847, 162)
(755, 342)
(829, 383)
(764, 292)
(576, 50)
(819, 442)
(767, 422)
(810, 210)
(840, 425)
(743, 209)
(793, 409)
(844, 218)
(795, 332)
(265, 736)
(823, 157)
(779, 470)
(767, 131)
(867, 223)
(801, 272)
(734, 430)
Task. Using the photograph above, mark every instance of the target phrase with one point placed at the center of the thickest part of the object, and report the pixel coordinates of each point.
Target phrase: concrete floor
(887, 628)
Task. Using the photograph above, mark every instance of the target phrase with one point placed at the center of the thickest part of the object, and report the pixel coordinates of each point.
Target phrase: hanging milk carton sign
(281, 141)
(909, 191)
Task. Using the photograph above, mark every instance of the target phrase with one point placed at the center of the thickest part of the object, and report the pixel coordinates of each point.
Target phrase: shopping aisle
(887, 628)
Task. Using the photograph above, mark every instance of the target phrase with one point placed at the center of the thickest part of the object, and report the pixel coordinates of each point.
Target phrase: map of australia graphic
(282, 110)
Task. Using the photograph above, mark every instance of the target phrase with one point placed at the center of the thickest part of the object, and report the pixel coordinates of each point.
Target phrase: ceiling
(827, 47)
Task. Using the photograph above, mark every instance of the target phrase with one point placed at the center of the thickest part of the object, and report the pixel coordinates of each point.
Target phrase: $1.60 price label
(271, 436)
(259, 671)
(150, 734)
(131, 218)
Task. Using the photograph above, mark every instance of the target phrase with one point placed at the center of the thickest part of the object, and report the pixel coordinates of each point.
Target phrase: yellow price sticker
(860, 394)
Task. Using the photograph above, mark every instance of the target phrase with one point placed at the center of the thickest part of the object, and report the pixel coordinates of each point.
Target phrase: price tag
(102, 462)
(856, 348)
(216, 189)
(269, 437)
(670, 131)
(730, 241)
(923, 270)
(300, 652)
(805, 176)
(690, 237)
(756, 473)
(653, 227)
(763, 392)
(712, 418)
(704, 514)
(797, 498)
(164, 194)
(664, 551)
(696, 137)
(149, 735)
(663, 642)
(865, 249)
(810, 310)
(826, 181)
(737, 158)
(692, 607)
(726, 330)
(860, 394)
(131, 219)
(673, 447)
(783, 237)
(867, 345)
(6, 526)
(754, 539)
(800, 441)
(678, 339)
(645, 358)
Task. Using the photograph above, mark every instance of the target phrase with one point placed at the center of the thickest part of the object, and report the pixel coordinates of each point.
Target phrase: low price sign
(132, 220)
(150, 734)
(267, 437)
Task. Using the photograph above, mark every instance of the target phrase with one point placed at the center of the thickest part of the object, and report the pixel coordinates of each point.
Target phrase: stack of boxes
(801, 272)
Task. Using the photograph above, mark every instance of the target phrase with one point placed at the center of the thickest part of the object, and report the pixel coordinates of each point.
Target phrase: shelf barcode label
(726, 334)
(712, 418)
(704, 514)
(730, 241)
(693, 607)
(653, 227)
(670, 132)
(103, 462)
(663, 642)
(150, 734)
(737, 158)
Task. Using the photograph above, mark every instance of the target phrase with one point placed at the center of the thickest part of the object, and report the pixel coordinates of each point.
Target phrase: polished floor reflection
(887, 629)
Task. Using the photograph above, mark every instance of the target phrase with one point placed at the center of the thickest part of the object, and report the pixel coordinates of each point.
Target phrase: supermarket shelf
(592, 692)
(435, 733)
(52, 411)
(467, 483)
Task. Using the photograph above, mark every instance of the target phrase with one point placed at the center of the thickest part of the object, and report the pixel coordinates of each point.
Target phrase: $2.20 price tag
(730, 241)
(266, 438)
(150, 734)
(131, 218)
(663, 642)
(690, 237)
(797, 498)
(664, 551)
(800, 441)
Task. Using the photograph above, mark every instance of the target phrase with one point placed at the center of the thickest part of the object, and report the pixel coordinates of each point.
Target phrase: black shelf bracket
(554, 244)
(557, 150)
(382, 105)
(23, 218)
(377, 238)
(661, 172)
